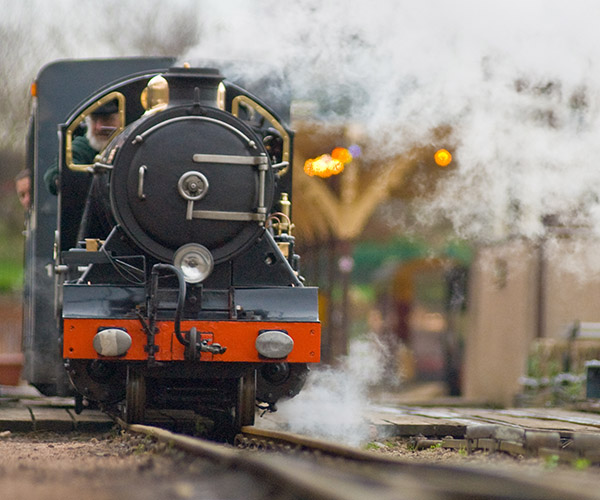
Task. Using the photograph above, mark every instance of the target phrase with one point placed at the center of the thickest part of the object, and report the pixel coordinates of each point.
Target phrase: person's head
(101, 124)
(23, 186)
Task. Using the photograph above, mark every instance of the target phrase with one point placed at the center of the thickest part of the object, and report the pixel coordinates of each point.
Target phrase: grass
(582, 464)
(11, 260)
(552, 461)
(11, 276)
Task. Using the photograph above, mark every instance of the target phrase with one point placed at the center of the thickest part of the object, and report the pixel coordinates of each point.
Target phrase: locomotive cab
(59, 88)
(180, 288)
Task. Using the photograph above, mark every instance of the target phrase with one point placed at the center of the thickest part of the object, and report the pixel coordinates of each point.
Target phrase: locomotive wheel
(246, 401)
(97, 380)
(135, 397)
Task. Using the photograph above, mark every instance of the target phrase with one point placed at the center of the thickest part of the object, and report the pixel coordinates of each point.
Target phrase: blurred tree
(14, 93)
(35, 33)
(151, 28)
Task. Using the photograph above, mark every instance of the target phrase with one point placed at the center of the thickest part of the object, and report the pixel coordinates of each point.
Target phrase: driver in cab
(100, 126)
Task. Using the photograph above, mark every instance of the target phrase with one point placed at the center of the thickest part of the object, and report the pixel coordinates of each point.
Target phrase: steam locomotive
(176, 281)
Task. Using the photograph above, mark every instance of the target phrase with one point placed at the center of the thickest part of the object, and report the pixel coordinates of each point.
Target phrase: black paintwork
(61, 86)
(251, 280)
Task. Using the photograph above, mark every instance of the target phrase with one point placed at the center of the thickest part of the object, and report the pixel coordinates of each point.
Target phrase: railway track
(566, 436)
(311, 468)
(304, 467)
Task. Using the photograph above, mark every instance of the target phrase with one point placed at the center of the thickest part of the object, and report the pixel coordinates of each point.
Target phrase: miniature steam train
(176, 283)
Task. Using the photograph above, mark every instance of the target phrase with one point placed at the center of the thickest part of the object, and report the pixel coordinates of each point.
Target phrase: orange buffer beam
(237, 336)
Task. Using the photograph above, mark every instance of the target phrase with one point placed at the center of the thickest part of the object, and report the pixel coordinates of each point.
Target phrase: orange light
(442, 157)
(33, 89)
(323, 166)
(342, 154)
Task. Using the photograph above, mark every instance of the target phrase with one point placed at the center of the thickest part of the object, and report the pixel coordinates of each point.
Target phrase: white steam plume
(517, 82)
(334, 402)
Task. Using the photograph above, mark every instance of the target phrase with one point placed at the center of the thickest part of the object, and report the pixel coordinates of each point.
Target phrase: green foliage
(369, 256)
(581, 464)
(11, 259)
(551, 461)
(547, 382)
(140, 449)
(459, 250)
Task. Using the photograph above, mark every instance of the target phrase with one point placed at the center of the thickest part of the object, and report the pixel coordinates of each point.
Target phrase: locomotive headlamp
(274, 344)
(195, 261)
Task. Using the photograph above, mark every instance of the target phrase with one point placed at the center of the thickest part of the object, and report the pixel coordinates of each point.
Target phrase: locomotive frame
(167, 297)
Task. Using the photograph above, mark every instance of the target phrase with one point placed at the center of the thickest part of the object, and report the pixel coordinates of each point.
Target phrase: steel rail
(449, 481)
(358, 474)
(286, 473)
(319, 445)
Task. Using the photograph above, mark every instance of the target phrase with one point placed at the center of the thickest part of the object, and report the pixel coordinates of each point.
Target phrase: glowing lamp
(342, 154)
(442, 157)
(323, 166)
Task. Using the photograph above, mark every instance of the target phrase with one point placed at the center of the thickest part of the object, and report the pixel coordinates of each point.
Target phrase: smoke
(334, 402)
(516, 84)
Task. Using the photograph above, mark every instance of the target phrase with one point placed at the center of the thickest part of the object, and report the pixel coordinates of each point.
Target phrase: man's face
(100, 128)
(24, 192)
